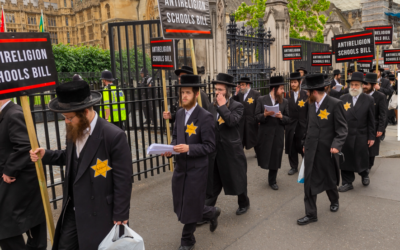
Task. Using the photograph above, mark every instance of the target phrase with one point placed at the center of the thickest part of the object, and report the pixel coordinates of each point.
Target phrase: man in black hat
(350, 72)
(21, 205)
(391, 115)
(248, 125)
(174, 108)
(337, 90)
(98, 174)
(323, 140)
(303, 73)
(380, 113)
(360, 117)
(194, 139)
(272, 129)
(230, 166)
(294, 131)
(146, 93)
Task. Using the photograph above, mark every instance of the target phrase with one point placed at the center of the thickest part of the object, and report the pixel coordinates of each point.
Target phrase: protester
(146, 94)
(391, 115)
(193, 138)
(272, 128)
(303, 73)
(294, 131)
(98, 173)
(21, 205)
(337, 90)
(360, 117)
(323, 140)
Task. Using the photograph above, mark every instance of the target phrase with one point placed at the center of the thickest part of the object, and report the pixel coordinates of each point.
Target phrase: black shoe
(201, 222)
(345, 187)
(274, 186)
(186, 248)
(292, 171)
(214, 221)
(306, 220)
(334, 207)
(242, 210)
(382, 137)
(365, 181)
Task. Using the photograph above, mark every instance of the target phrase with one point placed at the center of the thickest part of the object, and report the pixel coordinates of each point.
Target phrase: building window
(65, 3)
(66, 21)
(68, 40)
(83, 35)
(51, 21)
(108, 11)
(72, 3)
(10, 18)
(81, 19)
(11, 30)
(90, 31)
(53, 37)
(89, 14)
(32, 20)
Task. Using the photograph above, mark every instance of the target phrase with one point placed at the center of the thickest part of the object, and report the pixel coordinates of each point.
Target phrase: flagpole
(5, 23)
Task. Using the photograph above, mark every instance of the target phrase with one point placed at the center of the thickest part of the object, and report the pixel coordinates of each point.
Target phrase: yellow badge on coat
(347, 106)
(250, 100)
(101, 168)
(191, 129)
(301, 103)
(220, 120)
(323, 114)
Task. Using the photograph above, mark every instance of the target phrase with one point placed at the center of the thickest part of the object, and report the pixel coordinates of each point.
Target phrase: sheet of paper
(338, 87)
(272, 108)
(156, 149)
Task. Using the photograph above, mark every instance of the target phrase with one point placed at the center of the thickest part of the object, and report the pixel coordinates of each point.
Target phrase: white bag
(300, 179)
(393, 102)
(129, 241)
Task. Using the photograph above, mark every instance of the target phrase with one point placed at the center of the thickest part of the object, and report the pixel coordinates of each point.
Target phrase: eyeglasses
(69, 119)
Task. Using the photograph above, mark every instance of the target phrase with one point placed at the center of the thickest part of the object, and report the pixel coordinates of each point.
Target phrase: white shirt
(80, 143)
(188, 113)
(318, 104)
(296, 94)
(272, 100)
(245, 95)
(5, 104)
(355, 100)
(373, 91)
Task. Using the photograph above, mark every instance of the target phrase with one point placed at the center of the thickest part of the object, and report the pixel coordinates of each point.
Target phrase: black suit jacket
(99, 200)
(386, 87)
(381, 109)
(21, 206)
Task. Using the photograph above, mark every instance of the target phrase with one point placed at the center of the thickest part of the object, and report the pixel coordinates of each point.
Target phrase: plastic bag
(393, 102)
(129, 241)
(300, 178)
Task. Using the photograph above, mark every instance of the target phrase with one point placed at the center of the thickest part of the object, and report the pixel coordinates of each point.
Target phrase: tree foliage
(132, 56)
(305, 16)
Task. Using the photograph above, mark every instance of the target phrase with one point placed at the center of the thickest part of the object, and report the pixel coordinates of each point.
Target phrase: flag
(3, 21)
(392, 14)
(41, 23)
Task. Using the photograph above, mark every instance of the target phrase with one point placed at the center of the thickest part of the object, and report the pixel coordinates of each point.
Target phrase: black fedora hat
(107, 75)
(336, 72)
(302, 68)
(226, 79)
(190, 81)
(73, 96)
(245, 80)
(391, 77)
(276, 81)
(357, 76)
(184, 69)
(295, 76)
(315, 81)
(371, 78)
(374, 68)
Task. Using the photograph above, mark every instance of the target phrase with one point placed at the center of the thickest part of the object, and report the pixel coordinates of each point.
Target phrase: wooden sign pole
(292, 65)
(194, 65)
(345, 73)
(355, 66)
(164, 85)
(39, 167)
(321, 69)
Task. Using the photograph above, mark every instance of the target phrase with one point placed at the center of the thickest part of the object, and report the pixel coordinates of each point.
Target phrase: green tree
(304, 16)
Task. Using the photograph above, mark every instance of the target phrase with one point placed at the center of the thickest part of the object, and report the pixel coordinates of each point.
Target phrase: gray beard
(355, 92)
(243, 91)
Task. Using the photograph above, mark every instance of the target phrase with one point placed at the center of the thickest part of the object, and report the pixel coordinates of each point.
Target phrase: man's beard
(355, 92)
(311, 97)
(295, 89)
(74, 132)
(190, 104)
(368, 90)
(278, 98)
(244, 91)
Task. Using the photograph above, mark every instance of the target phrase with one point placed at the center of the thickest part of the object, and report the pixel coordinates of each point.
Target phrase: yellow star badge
(323, 114)
(101, 168)
(220, 120)
(301, 103)
(347, 106)
(250, 100)
(191, 129)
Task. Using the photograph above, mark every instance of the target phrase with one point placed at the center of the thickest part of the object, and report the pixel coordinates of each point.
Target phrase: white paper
(272, 108)
(156, 149)
(338, 87)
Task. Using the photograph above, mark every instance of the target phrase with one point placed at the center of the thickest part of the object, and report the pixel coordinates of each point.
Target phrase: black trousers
(293, 155)
(371, 161)
(188, 238)
(69, 233)
(272, 176)
(348, 177)
(310, 201)
(37, 240)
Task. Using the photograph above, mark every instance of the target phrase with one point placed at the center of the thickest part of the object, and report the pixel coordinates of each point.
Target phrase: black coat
(230, 159)
(326, 129)
(298, 111)
(21, 206)
(337, 94)
(386, 88)
(270, 144)
(361, 125)
(248, 126)
(204, 102)
(189, 180)
(98, 200)
(381, 109)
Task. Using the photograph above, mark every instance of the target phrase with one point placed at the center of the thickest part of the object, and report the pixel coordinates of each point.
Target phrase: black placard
(364, 65)
(383, 34)
(185, 19)
(333, 45)
(162, 53)
(292, 52)
(27, 64)
(321, 59)
(354, 46)
(391, 56)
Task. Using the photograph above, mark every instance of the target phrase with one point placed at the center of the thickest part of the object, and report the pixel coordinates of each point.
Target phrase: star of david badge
(323, 114)
(191, 129)
(301, 103)
(101, 168)
(347, 106)
(250, 100)
(220, 120)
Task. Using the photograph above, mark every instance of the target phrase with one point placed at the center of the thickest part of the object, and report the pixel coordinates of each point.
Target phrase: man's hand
(279, 115)
(167, 115)
(345, 86)
(167, 154)
(304, 150)
(221, 100)
(34, 156)
(121, 222)
(237, 89)
(371, 143)
(181, 148)
(268, 113)
(8, 179)
(377, 87)
(379, 134)
(334, 151)
(334, 87)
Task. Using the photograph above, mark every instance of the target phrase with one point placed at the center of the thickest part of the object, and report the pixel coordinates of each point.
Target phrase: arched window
(108, 11)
